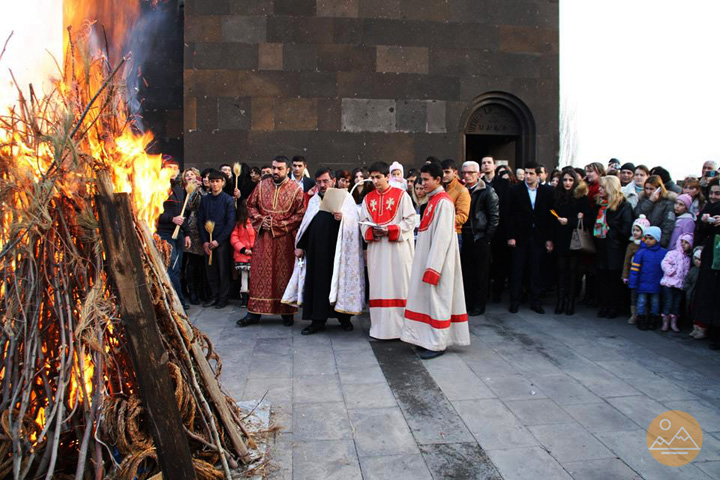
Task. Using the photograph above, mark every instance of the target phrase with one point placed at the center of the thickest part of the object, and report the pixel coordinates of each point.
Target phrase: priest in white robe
(328, 279)
(435, 314)
(387, 223)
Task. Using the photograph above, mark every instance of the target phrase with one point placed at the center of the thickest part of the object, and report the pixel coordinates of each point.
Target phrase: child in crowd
(645, 275)
(638, 229)
(243, 239)
(675, 267)
(699, 328)
(397, 176)
(684, 218)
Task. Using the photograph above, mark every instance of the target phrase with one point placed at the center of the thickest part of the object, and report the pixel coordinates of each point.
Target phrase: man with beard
(330, 242)
(275, 209)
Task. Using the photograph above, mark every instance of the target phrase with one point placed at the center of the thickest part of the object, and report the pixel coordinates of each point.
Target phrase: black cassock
(319, 242)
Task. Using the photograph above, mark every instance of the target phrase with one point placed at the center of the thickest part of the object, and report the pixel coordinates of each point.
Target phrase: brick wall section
(347, 82)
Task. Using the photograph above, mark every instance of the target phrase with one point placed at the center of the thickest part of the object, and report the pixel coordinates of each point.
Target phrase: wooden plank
(150, 360)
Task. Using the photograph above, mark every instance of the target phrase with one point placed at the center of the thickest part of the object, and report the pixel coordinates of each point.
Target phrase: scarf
(601, 228)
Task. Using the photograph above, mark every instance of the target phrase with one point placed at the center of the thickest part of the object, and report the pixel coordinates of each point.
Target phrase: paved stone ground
(535, 396)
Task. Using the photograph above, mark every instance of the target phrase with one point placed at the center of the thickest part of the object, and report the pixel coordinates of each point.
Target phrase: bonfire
(75, 179)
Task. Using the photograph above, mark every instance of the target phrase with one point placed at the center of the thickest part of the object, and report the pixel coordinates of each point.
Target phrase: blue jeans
(642, 302)
(672, 297)
(178, 247)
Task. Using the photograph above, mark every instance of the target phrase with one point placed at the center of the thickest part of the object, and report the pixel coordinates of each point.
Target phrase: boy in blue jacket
(645, 275)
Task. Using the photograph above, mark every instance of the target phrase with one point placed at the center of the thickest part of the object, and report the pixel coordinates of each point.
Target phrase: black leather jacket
(484, 212)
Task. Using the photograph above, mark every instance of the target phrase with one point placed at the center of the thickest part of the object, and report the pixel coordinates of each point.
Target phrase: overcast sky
(643, 80)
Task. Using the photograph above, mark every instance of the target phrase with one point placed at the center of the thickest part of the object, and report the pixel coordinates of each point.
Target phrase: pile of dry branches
(70, 405)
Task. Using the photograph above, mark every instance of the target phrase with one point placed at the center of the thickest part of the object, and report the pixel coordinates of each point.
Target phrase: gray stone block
(523, 463)
(299, 57)
(321, 421)
(329, 111)
(513, 387)
(244, 29)
(436, 116)
(397, 467)
(541, 411)
(399, 59)
(660, 389)
(459, 460)
(234, 113)
(493, 425)
(295, 8)
(706, 414)
(640, 409)
(270, 366)
(316, 389)
(207, 113)
(314, 361)
(368, 395)
(381, 431)
(366, 115)
(275, 390)
(601, 469)
(362, 375)
(331, 460)
(411, 116)
(432, 87)
(565, 390)
(600, 417)
(570, 442)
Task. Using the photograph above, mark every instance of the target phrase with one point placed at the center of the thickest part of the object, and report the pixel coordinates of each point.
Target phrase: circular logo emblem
(674, 438)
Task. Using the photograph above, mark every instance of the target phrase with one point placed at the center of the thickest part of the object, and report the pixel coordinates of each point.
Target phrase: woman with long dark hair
(571, 205)
(613, 218)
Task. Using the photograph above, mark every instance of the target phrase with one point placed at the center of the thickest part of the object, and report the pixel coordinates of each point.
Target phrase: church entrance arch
(499, 125)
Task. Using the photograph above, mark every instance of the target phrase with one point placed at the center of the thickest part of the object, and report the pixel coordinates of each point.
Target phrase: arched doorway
(499, 125)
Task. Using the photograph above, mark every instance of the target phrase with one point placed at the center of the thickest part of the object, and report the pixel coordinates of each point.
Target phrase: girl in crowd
(691, 186)
(593, 172)
(684, 218)
(503, 171)
(658, 205)
(360, 186)
(342, 179)
(556, 178)
(638, 230)
(675, 267)
(571, 205)
(255, 175)
(708, 284)
(194, 258)
(634, 188)
(613, 220)
(419, 197)
(242, 240)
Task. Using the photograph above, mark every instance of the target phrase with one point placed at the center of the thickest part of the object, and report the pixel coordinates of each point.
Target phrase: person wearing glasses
(477, 232)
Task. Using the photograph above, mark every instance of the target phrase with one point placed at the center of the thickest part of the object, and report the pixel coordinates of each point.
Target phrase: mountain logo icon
(676, 449)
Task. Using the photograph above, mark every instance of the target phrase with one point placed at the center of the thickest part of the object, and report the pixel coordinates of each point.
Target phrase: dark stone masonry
(349, 82)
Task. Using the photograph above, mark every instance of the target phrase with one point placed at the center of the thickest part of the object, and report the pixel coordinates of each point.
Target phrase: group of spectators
(654, 250)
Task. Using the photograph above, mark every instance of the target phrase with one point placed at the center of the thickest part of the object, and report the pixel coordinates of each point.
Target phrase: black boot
(654, 322)
(570, 306)
(243, 300)
(642, 322)
(560, 307)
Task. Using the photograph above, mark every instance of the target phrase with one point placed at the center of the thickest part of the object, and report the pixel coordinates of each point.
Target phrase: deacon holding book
(329, 242)
(387, 224)
(275, 209)
(435, 315)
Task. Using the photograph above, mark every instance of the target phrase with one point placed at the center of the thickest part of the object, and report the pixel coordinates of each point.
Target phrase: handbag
(581, 239)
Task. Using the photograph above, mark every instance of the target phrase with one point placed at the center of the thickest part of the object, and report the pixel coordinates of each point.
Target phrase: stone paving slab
(349, 407)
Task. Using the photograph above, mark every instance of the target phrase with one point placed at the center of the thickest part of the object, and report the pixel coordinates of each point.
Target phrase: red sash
(383, 206)
(430, 210)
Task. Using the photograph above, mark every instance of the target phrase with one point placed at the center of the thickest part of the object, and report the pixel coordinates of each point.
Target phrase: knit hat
(686, 200)
(628, 166)
(653, 232)
(641, 222)
(397, 166)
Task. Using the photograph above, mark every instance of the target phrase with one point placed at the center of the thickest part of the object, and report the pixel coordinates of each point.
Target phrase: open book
(333, 200)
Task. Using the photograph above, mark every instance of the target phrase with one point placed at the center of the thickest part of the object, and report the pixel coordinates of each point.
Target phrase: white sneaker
(701, 334)
(694, 331)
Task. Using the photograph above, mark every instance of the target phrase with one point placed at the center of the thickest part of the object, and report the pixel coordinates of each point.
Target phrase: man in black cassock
(317, 244)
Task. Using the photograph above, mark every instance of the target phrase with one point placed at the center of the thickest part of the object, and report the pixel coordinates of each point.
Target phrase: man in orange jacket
(459, 194)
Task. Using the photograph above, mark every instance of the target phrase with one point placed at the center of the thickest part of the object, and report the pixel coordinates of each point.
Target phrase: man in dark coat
(501, 255)
(299, 165)
(529, 234)
(477, 232)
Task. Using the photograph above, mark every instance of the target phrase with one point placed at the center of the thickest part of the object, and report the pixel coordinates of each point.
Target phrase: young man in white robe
(387, 224)
(328, 246)
(435, 315)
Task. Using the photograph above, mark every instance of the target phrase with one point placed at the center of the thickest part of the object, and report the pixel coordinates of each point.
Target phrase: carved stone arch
(499, 118)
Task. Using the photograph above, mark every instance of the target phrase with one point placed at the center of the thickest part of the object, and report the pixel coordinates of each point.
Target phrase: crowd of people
(427, 247)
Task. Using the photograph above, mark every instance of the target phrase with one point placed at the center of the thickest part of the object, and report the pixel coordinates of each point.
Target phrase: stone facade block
(337, 8)
(411, 116)
(345, 58)
(299, 57)
(367, 115)
(251, 7)
(270, 56)
(296, 8)
(203, 28)
(329, 114)
(300, 30)
(390, 147)
(402, 59)
(527, 40)
(348, 31)
(432, 10)
(235, 56)
(318, 84)
(239, 28)
(263, 113)
(207, 7)
(436, 114)
(380, 9)
(234, 113)
(190, 113)
(207, 113)
(296, 114)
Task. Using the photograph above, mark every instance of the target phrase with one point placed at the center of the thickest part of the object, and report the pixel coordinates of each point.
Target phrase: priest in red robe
(275, 209)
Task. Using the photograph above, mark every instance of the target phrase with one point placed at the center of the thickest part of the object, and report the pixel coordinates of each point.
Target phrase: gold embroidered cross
(373, 205)
(390, 202)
